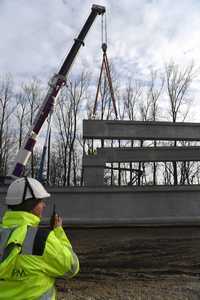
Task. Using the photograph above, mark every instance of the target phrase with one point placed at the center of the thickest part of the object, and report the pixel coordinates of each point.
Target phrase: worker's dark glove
(52, 221)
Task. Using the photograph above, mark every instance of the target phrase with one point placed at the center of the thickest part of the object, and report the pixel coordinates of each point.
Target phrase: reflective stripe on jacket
(32, 257)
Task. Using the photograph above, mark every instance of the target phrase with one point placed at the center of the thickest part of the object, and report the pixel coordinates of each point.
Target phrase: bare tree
(132, 97)
(21, 112)
(6, 111)
(178, 82)
(155, 89)
(67, 116)
(144, 113)
(32, 96)
(77, 94)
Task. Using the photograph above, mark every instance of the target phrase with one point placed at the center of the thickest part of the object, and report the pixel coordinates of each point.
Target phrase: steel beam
(100, 129)
(118, 206)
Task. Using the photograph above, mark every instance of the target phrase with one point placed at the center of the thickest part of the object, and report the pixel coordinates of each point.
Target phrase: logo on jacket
(18, 273)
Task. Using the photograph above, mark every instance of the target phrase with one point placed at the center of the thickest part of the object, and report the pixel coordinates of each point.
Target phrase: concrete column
(93, 176)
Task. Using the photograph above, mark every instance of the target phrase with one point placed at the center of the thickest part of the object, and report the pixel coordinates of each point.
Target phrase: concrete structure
(161, 205)
(137, 130)
(94, 164)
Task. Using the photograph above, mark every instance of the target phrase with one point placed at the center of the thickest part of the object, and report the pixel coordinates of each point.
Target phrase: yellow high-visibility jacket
(31, 257)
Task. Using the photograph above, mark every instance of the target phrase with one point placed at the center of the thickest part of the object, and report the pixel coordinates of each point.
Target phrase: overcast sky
(37, 34)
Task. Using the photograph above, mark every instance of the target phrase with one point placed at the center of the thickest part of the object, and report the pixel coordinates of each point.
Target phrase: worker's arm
(58, 254)
(59, 232)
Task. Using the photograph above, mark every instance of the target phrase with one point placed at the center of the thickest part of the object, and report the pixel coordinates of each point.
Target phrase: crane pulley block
(99, 9)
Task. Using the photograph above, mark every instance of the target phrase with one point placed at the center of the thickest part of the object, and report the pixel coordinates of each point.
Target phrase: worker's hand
(57, 221)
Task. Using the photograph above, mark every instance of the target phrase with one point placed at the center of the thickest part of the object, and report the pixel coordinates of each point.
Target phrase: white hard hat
(25, 188)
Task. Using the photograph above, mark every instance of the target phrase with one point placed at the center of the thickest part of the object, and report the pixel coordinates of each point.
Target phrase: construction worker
(31, 257)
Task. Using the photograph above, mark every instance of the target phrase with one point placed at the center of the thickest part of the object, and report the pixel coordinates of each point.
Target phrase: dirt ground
(171, 288)
(134, 263)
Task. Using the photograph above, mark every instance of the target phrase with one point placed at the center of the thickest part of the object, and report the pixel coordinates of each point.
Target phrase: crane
(55, 85)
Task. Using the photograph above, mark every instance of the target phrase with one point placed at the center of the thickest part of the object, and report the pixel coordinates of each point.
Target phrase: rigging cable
(104, 66)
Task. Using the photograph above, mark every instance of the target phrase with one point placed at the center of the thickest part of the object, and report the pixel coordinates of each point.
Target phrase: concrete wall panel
(125, 205)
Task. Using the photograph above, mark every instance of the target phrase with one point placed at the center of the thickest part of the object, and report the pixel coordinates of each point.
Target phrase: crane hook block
(99, 9)
(104, 47)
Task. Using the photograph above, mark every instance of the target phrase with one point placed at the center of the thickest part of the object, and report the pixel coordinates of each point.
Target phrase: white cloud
(37, 34)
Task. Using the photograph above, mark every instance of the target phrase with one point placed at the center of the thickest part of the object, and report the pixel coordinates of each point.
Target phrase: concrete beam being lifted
(137, 130)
